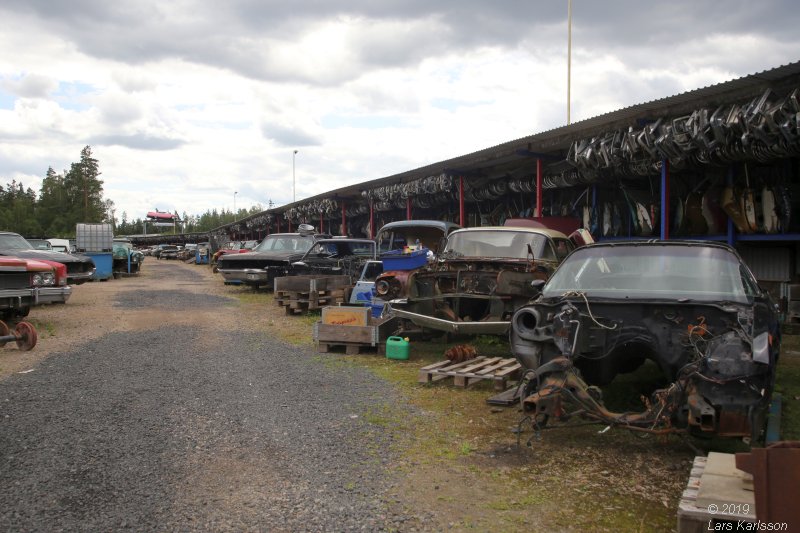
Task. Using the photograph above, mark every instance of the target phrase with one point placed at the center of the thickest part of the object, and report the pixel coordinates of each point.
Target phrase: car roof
(442, 225)
(553, 234)
(658, 242)
(344, 239)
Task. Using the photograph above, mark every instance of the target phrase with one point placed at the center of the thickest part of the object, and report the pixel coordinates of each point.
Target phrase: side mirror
(537, 284)
(299, 264)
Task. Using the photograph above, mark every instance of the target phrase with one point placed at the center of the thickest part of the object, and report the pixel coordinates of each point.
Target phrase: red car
(28, 282)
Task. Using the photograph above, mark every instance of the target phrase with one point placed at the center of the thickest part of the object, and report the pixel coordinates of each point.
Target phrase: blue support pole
(664, 199)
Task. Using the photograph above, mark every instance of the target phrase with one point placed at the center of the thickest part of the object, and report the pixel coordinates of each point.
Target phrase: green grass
(788, 385)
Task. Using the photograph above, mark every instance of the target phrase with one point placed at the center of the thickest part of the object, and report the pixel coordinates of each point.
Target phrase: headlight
(382, 287)
(43, 279)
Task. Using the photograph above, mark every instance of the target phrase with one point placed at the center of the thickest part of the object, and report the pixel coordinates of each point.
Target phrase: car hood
(258, 256)
(58, 257)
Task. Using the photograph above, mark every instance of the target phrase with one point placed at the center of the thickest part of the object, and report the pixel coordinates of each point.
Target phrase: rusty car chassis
(478, 281)
(692, 308)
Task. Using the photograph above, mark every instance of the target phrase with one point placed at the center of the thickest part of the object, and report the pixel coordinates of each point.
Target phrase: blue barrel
(103, 263)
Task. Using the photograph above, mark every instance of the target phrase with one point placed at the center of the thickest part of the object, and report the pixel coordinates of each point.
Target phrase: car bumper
(17, 298)
(80, 277)
(251, 276)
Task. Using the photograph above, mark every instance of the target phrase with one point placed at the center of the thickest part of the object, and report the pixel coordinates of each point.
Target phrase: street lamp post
(294, 186)
(234, 204)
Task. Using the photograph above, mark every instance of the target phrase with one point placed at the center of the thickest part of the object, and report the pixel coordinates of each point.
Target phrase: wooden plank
(454, 366)
(502, 363)
(468, 369)
(332, 333)
(510, 370)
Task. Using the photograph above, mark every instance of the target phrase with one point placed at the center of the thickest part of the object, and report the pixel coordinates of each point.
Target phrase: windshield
(14, 242)
(285, 243)
(499, 243)
(658, 271)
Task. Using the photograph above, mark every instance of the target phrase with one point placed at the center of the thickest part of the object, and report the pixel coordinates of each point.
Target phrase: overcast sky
(187, 101)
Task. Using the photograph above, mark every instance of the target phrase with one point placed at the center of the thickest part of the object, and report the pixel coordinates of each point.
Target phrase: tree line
(76, 196)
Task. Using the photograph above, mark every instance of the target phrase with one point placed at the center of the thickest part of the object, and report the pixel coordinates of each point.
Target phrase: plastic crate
(94, 237)
(397, 260)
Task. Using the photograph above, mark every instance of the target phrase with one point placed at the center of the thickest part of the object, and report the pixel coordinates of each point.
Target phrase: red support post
(321, 224)
(461, 201)
(278, 221)
(408, 208)
(371, 220)
(344, 220)
(539, 188)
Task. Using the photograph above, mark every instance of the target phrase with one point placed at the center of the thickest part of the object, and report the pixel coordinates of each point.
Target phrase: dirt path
(445, 459)
(161, 403)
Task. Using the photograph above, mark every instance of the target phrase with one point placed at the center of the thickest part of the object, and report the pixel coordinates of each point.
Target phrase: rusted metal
(24, 335)
(461, 353)
(776, 476)
(559, 393)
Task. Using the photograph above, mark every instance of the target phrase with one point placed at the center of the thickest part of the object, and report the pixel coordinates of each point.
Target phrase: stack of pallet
(300, 294)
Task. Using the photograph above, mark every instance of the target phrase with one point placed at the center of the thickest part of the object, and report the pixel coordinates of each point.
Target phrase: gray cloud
(230, 34)
(288, 136)
(138, 141)
(31, 86)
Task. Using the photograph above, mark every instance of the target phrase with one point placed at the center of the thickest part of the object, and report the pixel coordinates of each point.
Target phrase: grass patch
(788, 385)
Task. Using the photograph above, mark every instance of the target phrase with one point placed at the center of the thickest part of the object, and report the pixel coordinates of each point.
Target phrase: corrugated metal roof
(556, 141)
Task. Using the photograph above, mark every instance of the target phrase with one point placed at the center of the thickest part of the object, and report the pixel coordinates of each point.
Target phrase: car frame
(694, 308)
(476, 290)
(335, 256)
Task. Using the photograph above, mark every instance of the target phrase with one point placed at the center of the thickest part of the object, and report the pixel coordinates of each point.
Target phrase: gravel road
(191, 426)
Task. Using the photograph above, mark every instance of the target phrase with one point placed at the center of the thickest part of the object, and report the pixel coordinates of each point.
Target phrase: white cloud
(186, 102)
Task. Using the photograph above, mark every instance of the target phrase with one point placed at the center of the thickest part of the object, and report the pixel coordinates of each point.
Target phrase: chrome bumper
(16, 298)
(80, 277)
(246, 275)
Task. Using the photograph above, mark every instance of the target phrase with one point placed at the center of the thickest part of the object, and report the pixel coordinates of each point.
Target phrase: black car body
(337, 256)
(270, 259)
(693, 308)
(80, 268)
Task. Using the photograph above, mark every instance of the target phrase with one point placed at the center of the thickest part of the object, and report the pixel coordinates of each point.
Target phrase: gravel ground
(186, 427)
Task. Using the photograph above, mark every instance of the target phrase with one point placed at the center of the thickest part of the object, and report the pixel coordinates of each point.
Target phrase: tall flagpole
(569, 57)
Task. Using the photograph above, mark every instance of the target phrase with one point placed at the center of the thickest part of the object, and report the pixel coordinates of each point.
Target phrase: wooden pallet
(497, 369)
(301, 294)
(696, 519)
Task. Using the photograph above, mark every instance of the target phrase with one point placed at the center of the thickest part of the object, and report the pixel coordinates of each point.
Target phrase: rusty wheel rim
(3, 332)
(26, 336)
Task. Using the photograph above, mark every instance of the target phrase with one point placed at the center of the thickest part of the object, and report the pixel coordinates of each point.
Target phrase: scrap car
(429, 234)
(692, 308)
(80, 268)
(481, 277)
(125, 259)
(25, 283)
(336, 256)
(271, 259)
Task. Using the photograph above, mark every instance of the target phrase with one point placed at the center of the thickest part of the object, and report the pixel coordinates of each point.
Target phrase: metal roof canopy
(514, 157)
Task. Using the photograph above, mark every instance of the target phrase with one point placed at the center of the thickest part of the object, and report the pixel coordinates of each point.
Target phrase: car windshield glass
(287, 243)
(499, 243)
(14, 242)
(671, 272)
